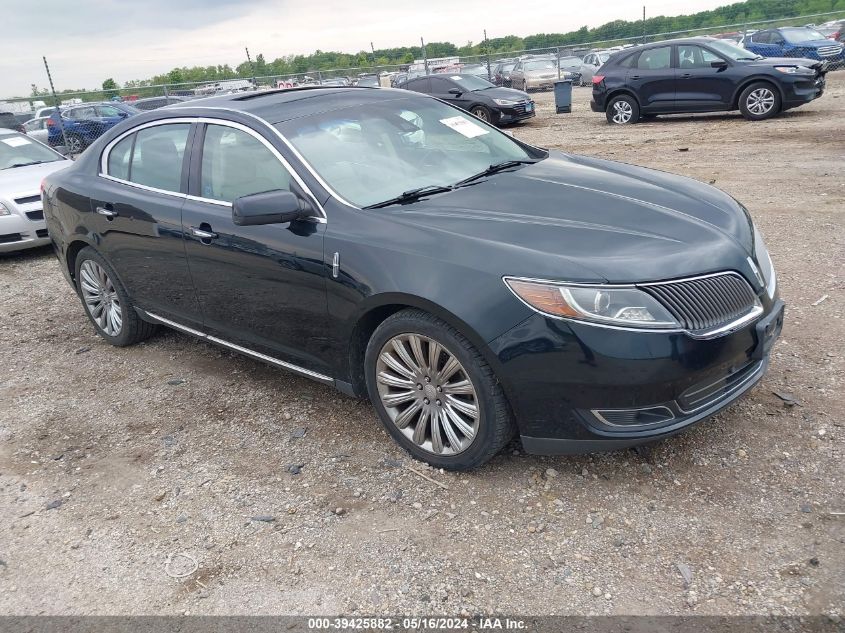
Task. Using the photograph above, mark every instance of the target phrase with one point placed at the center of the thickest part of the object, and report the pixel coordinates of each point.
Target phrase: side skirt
(154, 318)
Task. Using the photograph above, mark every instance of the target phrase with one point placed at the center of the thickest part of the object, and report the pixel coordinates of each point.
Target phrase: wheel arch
(752, 80)
(619, 92)
(377, 309)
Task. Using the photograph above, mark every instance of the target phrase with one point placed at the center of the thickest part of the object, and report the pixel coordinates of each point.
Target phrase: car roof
(275, 106)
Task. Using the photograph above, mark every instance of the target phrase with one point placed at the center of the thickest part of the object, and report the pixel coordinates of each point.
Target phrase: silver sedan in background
(535, 74)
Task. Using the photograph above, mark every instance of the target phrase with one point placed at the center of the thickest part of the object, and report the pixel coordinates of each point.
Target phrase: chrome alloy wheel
(100, 297)
(760, 101)
(427, 394)
(622, 112)
(481, 113)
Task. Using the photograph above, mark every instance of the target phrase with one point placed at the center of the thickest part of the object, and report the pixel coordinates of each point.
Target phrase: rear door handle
(686, 75)
(107, 211)
(203, 234)
(635, 77)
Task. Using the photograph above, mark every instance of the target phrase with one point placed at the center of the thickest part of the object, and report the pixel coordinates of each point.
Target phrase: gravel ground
(292, 500)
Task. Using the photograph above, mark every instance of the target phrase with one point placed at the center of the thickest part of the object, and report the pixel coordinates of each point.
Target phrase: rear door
(653, 79)
(699, 86)
(137, 208)
(262, 288)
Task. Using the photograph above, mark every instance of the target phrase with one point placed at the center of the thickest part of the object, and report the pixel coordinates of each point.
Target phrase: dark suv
(702, 75)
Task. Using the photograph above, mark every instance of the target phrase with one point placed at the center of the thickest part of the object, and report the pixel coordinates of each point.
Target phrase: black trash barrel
(563, 95)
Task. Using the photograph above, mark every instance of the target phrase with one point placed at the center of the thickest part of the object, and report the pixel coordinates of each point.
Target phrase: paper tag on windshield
(464, 126)
(16, 141)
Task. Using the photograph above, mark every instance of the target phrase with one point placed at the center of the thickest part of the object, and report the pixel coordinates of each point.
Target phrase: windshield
(16, 150)
(545, 64)
(799, 35)
(369, 154)
(731, 50)
(472, 82)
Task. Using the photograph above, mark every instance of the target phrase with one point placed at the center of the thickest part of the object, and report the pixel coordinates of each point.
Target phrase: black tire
(75, 144)
(623, 110)
(495, 422)
(132, 328)
(483, 113)
(759, 101)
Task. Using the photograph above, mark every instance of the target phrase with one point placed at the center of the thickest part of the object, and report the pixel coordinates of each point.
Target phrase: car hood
(768, 62)
(503, 93)
(27, 180)
(540, 73)
(584, 219)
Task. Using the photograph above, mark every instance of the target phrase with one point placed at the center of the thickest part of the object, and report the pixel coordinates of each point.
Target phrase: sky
(87, 41)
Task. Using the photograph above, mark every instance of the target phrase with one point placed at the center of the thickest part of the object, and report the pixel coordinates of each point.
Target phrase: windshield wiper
(494, 169)
(411, 195)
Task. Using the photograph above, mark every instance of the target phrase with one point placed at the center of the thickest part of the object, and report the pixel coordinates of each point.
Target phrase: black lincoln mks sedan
(702, 74)
(397, 247)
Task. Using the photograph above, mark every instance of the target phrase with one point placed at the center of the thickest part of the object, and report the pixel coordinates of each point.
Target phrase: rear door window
(157, 156)
(656, 58)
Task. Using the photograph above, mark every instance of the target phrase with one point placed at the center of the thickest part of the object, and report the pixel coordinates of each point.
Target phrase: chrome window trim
(734, 325)
(244, 350)
(103, 173)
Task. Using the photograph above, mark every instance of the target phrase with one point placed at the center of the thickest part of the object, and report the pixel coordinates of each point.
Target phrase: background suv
(702, 75)
(795, 42)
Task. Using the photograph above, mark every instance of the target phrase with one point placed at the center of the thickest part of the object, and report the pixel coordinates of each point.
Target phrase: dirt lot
(113, 460)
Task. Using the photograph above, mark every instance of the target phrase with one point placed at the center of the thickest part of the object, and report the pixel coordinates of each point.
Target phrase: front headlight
(795, 70)
(505, 102)
(624, 307)
(4, 210)
(764, 260)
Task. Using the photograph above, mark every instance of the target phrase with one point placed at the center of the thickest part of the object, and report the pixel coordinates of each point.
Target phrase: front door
(699, 86)
(653, 79)
(260, 287)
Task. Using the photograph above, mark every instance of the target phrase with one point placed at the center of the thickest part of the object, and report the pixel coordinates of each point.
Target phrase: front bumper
(801, 91)
(20, 231)
(520, 112)
(579, 388)
(541, 84)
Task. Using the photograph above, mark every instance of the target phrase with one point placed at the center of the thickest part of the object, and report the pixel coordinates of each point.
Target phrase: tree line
(746, 12)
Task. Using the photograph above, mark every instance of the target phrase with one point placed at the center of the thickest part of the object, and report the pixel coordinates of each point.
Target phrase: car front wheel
(623, 110)
(759, 101)
(106, 301)
(434, 392)
(482, 113)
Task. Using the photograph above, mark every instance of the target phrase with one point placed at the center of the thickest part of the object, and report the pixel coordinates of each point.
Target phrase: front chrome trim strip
(243, 350)
(601, 418)
(732, 389)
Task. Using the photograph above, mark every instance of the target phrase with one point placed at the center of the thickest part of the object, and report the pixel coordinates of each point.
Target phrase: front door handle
(107, 211)
(686, 75)
(635, 77)
(203, 234)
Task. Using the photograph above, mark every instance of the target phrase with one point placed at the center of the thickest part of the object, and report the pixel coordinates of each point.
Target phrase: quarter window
(235, 164)
(119, 158)
(655, 58)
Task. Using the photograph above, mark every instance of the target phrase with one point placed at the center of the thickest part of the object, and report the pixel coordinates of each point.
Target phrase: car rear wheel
(106, 301)
(623, 110)
(482, 113)
(434, 392)
(759, 101)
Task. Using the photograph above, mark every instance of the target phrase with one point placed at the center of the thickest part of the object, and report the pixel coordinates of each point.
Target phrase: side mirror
(456, 92)
(269, 207)
(719, 64)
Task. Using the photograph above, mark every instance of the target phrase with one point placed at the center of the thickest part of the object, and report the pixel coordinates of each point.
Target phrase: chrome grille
(706, 303)
(829, 51)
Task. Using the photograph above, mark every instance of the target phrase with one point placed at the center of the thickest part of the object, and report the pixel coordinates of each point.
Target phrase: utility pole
(373, 48)
(643, 24)
(252, 67)
(487, 50)
(56, 103)
(425, 59)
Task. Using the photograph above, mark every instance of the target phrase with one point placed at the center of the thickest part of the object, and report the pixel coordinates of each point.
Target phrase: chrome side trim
(175, 194)
(243, 350)
(178, 326)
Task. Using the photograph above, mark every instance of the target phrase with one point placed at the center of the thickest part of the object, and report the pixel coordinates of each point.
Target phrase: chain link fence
(85, 115)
